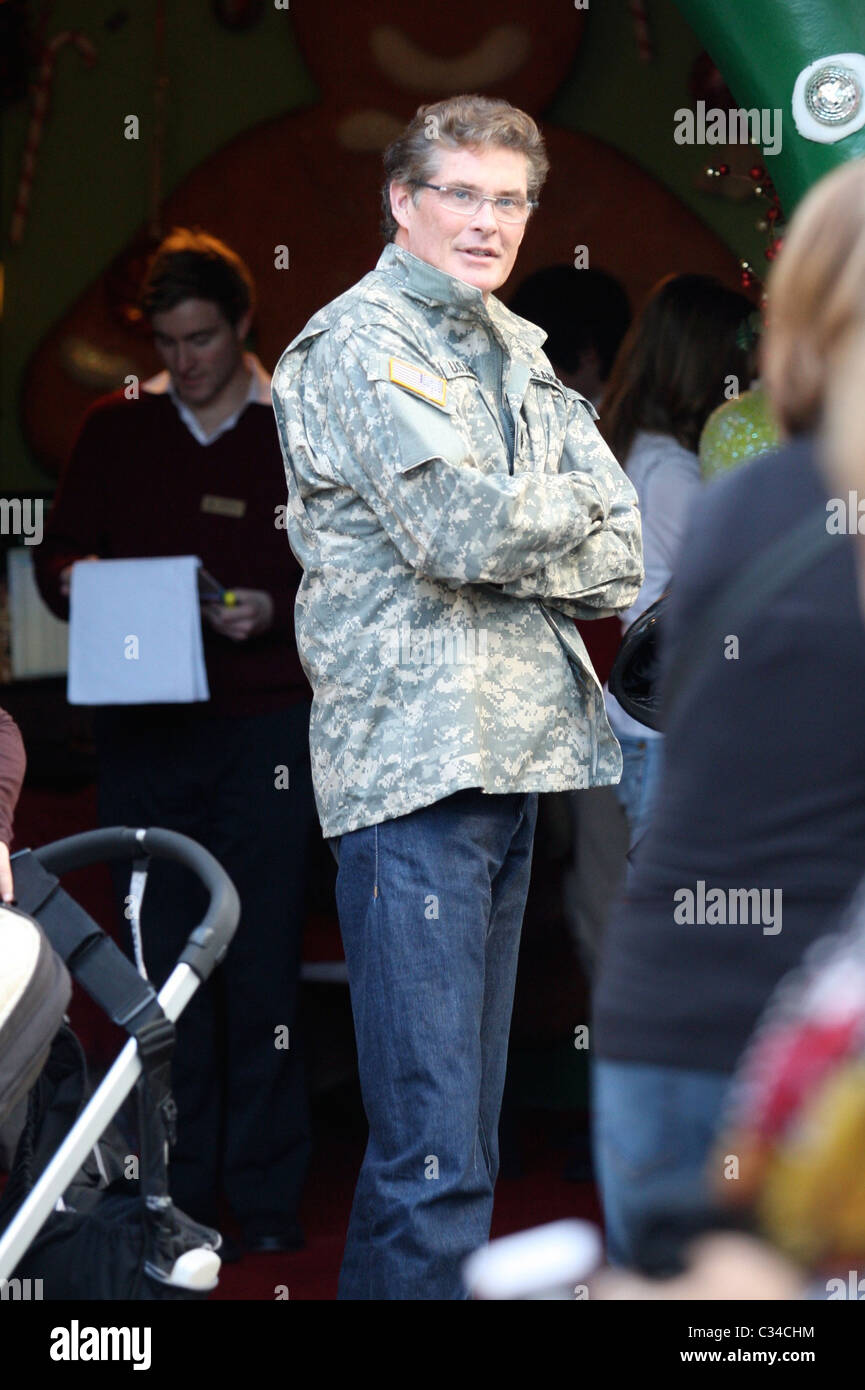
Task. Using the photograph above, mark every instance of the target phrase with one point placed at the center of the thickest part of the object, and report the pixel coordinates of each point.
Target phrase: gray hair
(463, 122)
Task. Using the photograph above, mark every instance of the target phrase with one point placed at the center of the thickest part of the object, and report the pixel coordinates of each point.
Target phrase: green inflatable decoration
(737, 431)
(760, 47)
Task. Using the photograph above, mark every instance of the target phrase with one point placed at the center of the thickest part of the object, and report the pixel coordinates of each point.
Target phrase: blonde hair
(816, 297)
(463, 122)
(843, 435)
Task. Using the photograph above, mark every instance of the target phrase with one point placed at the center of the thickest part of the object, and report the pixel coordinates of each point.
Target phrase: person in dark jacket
(758, 837)
(192, 466)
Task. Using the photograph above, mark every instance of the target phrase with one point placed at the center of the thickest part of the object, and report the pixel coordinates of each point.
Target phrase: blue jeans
(431, 908)
(653, 1129)
(641, 776)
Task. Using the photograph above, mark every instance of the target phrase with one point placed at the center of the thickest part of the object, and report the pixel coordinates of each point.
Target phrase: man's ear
(401, 195)
(242, 327)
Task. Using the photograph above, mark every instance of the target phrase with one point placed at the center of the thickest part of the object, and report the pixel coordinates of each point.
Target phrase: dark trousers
(243, 1122)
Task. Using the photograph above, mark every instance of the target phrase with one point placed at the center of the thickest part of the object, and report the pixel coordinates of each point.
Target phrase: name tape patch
(423, 383)
(223, 506)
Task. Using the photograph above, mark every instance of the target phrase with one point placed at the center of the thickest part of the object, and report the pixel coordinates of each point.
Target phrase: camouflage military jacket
(443, 565)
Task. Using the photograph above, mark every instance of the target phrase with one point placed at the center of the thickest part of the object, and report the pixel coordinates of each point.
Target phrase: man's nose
(485, 218)
(183, 358)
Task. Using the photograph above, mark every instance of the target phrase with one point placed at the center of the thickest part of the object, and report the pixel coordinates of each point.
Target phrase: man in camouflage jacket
(454, 509)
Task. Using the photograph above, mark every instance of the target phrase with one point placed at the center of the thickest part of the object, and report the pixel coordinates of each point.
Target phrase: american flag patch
(416, 379)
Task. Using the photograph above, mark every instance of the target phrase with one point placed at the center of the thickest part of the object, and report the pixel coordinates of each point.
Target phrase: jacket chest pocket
(542, 427)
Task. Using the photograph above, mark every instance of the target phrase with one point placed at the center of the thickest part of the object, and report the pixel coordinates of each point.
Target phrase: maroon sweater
(138, 484)
(12, 764)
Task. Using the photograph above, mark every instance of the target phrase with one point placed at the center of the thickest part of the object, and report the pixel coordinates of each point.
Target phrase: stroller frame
(205, 948)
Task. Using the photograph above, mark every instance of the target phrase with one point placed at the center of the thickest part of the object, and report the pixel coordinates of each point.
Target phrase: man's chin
(485, 275)
(195, 399)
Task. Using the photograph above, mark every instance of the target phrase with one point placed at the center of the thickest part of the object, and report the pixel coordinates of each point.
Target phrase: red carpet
(541, 1194)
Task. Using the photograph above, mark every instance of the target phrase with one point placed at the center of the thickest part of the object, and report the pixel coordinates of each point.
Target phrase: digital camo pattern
(434, 615)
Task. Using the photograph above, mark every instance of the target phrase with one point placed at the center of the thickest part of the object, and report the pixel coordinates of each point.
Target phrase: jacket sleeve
(76, 523)
(669, 495)
(601, 573)
(416, 467)
(13, 762)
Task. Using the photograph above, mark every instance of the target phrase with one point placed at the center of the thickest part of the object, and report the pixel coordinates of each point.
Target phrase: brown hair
(671, 370)
(463, 122)
(816, 295)
(191, 264)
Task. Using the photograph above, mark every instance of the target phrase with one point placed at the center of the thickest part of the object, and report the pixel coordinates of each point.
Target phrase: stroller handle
(209, 941)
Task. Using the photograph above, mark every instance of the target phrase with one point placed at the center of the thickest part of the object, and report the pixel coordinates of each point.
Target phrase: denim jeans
(653, 1128)
(641, 776)
(431, 907)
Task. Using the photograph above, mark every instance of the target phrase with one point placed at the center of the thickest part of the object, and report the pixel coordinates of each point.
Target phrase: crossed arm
(570, 537)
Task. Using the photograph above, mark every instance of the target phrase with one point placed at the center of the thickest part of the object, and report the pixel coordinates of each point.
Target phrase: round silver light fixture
(829, 98)
(833, 94)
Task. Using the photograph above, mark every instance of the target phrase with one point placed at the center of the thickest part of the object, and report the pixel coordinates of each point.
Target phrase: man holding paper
(192, 468)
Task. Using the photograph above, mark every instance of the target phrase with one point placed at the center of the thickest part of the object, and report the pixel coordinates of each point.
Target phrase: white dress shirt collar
(258, 394)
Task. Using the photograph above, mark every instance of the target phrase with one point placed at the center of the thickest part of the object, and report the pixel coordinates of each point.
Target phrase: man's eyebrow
(196, 332)
(504, 193)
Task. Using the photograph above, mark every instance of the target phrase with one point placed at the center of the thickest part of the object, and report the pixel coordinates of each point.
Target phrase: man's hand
(7, 892)
(250, 615)
(65, 576)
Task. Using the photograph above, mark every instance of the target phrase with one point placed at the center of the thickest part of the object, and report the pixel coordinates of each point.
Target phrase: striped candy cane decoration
(640, 16)
(41, 92)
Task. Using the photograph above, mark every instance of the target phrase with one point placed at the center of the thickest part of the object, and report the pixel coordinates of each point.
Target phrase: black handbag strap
(745, 596)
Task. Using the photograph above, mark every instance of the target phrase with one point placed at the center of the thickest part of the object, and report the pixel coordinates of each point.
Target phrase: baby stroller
(78, 1223)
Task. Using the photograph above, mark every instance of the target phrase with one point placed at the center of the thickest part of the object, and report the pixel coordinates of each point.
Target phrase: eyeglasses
(468, 201)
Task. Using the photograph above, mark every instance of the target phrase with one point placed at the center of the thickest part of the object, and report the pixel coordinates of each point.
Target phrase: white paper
(38, 640)
(135, 633)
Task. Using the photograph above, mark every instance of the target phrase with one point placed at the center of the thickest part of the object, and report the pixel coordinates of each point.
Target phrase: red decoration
(41, 92)
(640, 16)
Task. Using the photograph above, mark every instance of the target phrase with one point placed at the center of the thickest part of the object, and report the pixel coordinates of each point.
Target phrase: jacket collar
(436, 287)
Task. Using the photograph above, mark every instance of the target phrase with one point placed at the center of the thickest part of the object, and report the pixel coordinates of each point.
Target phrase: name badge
(223, 506)
(416, 379)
